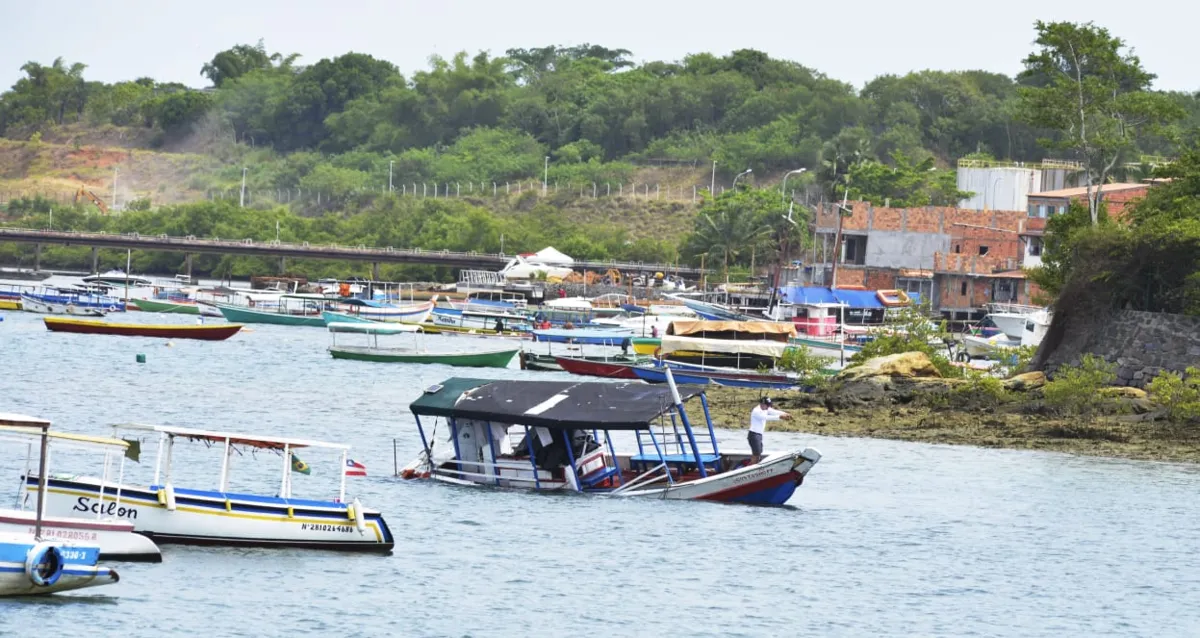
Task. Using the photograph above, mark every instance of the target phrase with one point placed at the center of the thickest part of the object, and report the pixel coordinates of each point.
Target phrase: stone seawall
(1142, 344)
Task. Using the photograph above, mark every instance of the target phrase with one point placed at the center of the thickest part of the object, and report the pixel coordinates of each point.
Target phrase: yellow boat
(10, 304)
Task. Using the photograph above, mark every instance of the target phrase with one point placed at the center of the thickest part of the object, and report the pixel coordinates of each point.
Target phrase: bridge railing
(361, 250)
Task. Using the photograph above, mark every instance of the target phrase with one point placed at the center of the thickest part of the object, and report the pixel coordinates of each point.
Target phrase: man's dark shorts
(755, 439)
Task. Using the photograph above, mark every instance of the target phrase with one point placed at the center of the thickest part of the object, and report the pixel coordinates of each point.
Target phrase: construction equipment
(84, 193)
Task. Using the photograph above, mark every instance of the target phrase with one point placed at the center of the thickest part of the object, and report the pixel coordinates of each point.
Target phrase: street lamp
(739, 175)
(783, 187)
(712, 188)
(545, 174)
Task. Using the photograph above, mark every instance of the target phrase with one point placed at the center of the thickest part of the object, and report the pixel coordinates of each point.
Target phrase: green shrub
(910, 330)
(1011, 361)
(1178, 393)
(982, 388)
(1075, 388)
(809, 367)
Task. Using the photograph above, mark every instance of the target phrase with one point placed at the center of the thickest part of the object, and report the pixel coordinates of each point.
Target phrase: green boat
(243, 314)
(646, 345)
(169, 307)
(498, 358)
(485, 358)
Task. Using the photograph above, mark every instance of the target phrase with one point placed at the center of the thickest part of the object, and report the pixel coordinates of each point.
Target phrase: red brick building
(957, 259)
(1115, 196)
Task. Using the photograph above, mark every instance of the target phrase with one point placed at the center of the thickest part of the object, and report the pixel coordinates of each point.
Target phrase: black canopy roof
(552, 404)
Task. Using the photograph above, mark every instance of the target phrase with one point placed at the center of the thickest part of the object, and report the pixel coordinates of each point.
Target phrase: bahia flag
(354, 468)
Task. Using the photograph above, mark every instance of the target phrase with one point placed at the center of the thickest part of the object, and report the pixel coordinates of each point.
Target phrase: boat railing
(649, 477)
(1013, 308)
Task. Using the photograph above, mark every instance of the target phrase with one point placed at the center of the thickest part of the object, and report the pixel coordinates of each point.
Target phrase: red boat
(215, 332)
(596, 368)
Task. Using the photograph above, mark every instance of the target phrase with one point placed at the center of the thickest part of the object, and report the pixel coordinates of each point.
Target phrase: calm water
(884, 538)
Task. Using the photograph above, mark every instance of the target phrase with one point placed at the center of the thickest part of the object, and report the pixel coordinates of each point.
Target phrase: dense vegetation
(340, 123)
(349, 125)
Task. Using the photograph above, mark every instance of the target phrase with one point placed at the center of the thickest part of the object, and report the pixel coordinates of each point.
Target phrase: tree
(1093, 94)
(734, 226)
(235, 62)
(904, 184)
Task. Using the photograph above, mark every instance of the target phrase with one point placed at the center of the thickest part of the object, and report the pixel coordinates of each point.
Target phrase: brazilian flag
(300, 466)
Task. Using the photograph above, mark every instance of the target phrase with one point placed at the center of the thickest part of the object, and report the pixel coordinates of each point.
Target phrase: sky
(170, 40)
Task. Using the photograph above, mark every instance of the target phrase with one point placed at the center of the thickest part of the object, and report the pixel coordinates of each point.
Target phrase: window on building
(1004, 291)
(854, 249)
(1035, 246)
(1033, 210)
(964, 288)
(958, 248)
(917, 286)
(983, 250)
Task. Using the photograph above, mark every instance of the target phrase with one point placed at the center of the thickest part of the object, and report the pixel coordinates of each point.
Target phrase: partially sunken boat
(217, 516)
(565, 439)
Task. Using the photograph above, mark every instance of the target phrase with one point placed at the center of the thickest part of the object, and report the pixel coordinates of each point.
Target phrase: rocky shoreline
(1126, 424)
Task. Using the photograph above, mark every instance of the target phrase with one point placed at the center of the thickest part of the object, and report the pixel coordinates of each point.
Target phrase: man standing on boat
(759, 416)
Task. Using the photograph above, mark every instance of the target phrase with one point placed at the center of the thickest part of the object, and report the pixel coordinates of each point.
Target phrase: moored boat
(205, 332)
(603, 369)
(566, 444)
(549, 362)
(32, 564)
(169, 514)
(494, 357)
(166, 306)
(31, 304)
(278, 315)
(114, 537)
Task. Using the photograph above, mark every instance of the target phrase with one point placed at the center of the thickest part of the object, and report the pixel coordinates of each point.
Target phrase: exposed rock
(1120, 392)
(905, 364)
(1026, 382)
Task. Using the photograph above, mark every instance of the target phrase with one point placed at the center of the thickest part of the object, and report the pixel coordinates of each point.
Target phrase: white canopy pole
(225, 467)
(342, 490)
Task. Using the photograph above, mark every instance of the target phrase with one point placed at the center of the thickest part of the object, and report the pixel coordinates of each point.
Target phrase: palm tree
(730, 232)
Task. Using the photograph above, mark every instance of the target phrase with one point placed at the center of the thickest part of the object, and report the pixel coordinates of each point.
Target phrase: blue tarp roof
(852, 298)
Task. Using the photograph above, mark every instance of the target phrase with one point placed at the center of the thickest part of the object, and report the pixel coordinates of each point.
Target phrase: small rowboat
(85, 326)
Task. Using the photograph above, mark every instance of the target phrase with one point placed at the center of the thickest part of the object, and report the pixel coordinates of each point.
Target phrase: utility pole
(546, 175)
(712, 187)
(390, 162)
(243, 200)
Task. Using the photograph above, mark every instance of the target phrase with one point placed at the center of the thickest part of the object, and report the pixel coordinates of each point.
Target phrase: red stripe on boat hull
(596, 368)
(739, 491)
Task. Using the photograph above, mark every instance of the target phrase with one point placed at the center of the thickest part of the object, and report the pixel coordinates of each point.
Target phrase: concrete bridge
(191, 245)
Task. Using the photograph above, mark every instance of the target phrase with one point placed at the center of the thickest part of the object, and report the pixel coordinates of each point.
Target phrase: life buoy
(112, 308)
(70, 308)
(44, 564)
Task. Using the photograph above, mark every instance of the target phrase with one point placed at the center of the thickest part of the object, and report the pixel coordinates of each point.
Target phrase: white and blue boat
(32, 565)
(556, 435)
(609, 337)
(220, 516)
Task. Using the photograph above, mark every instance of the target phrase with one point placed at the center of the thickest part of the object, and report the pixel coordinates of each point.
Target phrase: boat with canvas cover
(565, 437)
(203, 332)
(104, 527)
(169, 514)
(30, 562)
(418, 352)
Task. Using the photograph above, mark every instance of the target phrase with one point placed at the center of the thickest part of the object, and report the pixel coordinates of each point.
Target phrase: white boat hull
(209, 310)
(212, 518)
(987, 346)
(766, 482)
(1010, 323)
(116, 539)
(29, 304)
(770, 482)
(79, 569)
